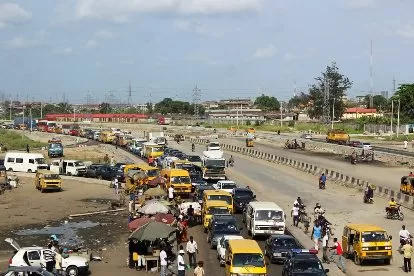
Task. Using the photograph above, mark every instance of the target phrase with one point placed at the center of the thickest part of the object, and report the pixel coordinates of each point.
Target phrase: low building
(235, 103)
(98, 118)
(358, 112)
(234, 115)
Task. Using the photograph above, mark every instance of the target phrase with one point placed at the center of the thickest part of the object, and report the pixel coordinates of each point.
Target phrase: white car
(366, 146)
(222, 247)
(225, 185)
(34, 256)
(213, 146)
(306, 136)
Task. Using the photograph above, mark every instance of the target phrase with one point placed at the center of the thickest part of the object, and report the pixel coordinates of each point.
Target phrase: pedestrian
(408, 251)
(27, 148)
(405, 144)
(325, 241)
(116, 185)
(316, 234)
(49, 257)
(58, 262)
(199, 270)
(163, 262)
(170, 193)
(295, 214)
(61, 166)
(181, 263)
(190, 215)
(112, 162)
(192, 252)
(338, 251)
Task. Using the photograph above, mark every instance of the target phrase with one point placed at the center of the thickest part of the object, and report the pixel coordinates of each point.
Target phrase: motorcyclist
(298, 201)
(392, 206)
(369, 192)
(318, 211)
(322, 180)
(231, 160)
(404, 235)
(192, 147)
(353, 157)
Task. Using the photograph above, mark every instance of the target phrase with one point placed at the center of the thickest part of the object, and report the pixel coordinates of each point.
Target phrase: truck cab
(225, 185)
(178, 179)
(69, 167)
(213, 165)
(55, 148)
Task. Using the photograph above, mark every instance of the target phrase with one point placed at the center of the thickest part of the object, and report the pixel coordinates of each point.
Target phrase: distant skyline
(53, 50)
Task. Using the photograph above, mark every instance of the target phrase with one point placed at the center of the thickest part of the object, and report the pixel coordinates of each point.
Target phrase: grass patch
(15, 141)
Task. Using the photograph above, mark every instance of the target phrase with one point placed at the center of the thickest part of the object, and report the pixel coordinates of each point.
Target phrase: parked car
(278, 246)
(107, 172)
(91, 171)
(195, 160)
(219, 229)
(355, 144)
(26, 271)
(306, 136)
(34, 256)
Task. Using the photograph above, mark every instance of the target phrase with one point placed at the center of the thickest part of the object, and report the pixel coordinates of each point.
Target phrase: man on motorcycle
(322, 181)
(369, 192)
(318, 211)
(404, 236)
(298, 201)
(231, 161)
(192, 147)
(392, 205)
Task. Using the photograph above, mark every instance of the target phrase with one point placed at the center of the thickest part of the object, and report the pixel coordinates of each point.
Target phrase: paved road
(282, 185)
(377, 174)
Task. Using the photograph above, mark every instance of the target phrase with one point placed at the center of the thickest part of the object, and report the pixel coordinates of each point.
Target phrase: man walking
(192, 250)
(180, 263)
(408, 251)
(27, 148)
(325, 241)
(316, 234)
(338, 251)
(295, 214)
(170, 193)
(163, 262)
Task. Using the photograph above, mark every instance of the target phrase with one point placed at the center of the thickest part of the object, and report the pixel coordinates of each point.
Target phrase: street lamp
(333, 113)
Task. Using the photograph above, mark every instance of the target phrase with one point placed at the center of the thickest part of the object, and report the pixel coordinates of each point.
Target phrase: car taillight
(10, 261)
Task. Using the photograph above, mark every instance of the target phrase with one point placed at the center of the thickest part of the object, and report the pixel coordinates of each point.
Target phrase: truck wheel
(10, 169)
(387, 261)
(69, 173)
(72, 271)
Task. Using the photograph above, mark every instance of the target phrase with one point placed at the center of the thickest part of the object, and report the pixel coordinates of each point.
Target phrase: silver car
(306, 136)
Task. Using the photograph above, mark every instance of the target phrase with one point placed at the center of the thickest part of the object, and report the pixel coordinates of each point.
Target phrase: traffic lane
(282, 184)
(384, 176)
(209, 256)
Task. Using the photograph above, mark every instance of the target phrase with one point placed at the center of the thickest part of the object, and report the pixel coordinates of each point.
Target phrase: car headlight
(257, 228)
(365, 248)
(388, 248)
(86, 263)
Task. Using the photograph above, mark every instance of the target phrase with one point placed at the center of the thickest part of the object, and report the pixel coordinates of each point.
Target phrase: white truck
(225, 185)
(68, 167)
(213, 165)
(157, 138)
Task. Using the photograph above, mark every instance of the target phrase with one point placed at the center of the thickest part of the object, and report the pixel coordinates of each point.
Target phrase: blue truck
(30, 124)
(55, 148)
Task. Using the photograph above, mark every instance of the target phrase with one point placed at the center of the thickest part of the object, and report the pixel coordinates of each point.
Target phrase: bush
(15, 141)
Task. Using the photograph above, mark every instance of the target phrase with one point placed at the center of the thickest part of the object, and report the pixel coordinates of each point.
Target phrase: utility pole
(333, 113)
(281, 115)
(41, 110)
(196, 99)
(294, 88)
(31, 119)
(392, 115)
(398, 117)
(130, 95)
(11, 106)
(326, 110)
(393, 86)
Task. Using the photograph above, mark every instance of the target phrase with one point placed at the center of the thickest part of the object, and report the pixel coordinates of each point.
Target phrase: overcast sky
(52, 49)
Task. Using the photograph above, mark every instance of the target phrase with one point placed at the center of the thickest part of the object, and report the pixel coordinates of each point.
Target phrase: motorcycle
(231, 163)
(321, 185)
(394, 213)
(304, 218)
(368, 197)
(193, 148)
(353, 161)
(404, 241)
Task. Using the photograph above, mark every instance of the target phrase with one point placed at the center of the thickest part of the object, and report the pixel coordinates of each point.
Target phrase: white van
(264, 218)
(24, 162)
(69, 167)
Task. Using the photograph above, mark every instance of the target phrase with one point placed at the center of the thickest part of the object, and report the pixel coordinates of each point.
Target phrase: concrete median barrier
(335, 177)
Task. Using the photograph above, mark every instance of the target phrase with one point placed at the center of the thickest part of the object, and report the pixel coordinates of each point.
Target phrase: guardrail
(349, 181)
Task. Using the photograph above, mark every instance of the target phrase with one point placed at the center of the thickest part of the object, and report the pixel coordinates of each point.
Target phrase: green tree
(267, 103)
(105, 108)
(379, 102)
(405, 94)
(301, 99)
(337, 83)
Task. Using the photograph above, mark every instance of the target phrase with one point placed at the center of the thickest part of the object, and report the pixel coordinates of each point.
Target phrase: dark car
(120, 168)
(107, 173)
(194, 158)
(303, 262)
(198, 193)
(355, 144)
(278, 246)
(92, 169)
(242, 197)
(221, 228)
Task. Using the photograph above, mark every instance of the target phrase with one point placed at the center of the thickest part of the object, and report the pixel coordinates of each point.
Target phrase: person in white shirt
(170, 193)
(298, 201)
(116, 185)
(181, 263)
(295, 214)
(404, 235)
(192, 252)
(163, 262)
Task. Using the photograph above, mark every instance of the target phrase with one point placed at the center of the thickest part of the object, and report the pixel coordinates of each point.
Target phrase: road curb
(405, 200)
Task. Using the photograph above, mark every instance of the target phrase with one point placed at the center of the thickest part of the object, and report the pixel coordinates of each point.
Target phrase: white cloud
(11, 13)
(265, 52)
(104, 34)
(120, 10)
(406, 31)
(63, 51)
(91, 44)
(19, 42)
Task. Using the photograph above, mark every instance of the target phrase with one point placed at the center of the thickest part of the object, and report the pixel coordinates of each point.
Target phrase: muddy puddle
(92, 232)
